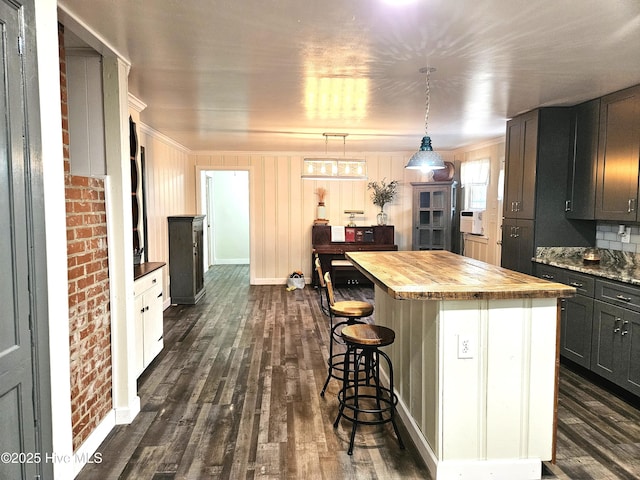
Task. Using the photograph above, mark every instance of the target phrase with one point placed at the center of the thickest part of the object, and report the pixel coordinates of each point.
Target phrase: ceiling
(273, 75)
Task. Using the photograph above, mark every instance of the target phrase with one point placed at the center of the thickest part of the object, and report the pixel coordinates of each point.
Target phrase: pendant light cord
(427, 95)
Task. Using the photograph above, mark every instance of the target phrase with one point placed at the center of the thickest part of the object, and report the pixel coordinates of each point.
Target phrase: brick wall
(87, 263)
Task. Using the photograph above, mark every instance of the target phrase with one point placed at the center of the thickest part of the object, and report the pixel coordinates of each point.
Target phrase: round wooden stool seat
(351, 308)
(368, 335)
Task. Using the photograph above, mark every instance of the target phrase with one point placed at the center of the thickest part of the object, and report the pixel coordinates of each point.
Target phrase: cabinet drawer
(584, 284)
(553, 274)
(617, 294)
(149, 280)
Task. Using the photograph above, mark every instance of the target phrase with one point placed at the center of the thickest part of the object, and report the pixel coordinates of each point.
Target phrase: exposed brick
(83, 259)
(78, 181)
(89, 308)
(75, 247)
(74, 220)
(72, 193)
(84, 232)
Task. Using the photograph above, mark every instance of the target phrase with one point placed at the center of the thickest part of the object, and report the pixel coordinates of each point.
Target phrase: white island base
(476, 382)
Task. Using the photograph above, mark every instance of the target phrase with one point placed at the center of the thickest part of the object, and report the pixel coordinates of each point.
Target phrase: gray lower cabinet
(576, 328)
(615, 350)
(517, 245)
(600, 326)
(576, 313)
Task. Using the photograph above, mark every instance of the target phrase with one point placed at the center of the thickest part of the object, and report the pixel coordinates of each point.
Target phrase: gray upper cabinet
(538, 147)
(581, 185)
(618, 156)
(520, 174)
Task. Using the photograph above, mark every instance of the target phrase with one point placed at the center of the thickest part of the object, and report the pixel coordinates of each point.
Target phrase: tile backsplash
(607, 237)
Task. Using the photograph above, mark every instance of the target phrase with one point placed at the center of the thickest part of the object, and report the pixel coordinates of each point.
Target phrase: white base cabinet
(148, 305)
(484, 412)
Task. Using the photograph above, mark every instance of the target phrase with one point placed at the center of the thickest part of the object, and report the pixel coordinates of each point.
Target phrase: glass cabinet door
(432, 212)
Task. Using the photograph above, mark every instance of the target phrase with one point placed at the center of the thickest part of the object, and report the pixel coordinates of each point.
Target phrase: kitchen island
(475, 360)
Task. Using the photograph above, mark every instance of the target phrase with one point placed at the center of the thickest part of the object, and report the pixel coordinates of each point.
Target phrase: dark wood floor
(235, 395)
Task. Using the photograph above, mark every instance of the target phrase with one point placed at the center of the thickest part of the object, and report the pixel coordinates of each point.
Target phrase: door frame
(36, 237)
(201, 193)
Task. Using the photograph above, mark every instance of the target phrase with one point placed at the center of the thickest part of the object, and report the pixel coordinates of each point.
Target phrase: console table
(358, 239)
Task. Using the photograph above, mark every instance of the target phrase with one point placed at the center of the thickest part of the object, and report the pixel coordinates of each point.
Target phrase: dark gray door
(17, 419)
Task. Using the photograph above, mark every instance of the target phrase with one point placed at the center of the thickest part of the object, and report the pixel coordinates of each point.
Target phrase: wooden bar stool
(363, 399)
(352, 311)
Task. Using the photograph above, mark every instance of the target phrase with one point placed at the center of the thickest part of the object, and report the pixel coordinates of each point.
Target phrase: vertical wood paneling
(283, 206)
(504, 398)
(169, 175)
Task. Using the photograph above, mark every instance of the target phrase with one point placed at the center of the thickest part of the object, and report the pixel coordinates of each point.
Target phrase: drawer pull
(623, 298)
(576, 284)
(548, 277)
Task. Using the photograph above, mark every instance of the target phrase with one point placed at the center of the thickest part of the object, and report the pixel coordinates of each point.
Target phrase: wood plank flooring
(235, 395)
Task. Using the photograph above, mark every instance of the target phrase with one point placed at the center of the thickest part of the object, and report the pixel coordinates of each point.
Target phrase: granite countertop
(442, 275)
(614, 264)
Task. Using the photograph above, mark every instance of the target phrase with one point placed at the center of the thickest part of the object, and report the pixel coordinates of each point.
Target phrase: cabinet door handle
(623, 298)
(160, 295)
(631, 205)
(517, 232)
(616, 327)
(626, 329)
(576, 284)
(548, 277)
(567, 205)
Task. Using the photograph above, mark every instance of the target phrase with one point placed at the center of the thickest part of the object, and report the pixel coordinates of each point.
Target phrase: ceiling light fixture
(426, 159)
(334, 168)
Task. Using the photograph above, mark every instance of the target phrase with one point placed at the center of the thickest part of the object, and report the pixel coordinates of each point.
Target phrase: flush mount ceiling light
(426, 159)
(334, 168)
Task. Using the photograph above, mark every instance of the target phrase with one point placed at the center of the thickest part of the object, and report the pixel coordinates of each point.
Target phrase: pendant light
(329, 168)
(426, 159)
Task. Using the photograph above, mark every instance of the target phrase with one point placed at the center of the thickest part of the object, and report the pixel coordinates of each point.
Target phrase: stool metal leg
(342, 394)
(362, 360)
(330, 361)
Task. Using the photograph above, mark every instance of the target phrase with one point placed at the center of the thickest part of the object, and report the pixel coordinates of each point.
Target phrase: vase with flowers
(382, 193)
(322, 212)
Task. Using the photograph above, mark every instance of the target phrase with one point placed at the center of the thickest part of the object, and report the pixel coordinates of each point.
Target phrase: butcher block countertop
(442, 275)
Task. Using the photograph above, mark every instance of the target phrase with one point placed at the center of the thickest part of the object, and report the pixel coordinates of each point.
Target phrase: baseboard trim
(126, 415)
(87, 452)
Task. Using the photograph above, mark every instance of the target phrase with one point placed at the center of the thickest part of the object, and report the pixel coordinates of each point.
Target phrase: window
(474, 176)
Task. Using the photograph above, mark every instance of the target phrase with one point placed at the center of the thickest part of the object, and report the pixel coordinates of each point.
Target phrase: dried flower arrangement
(322, 193)
(382, 192)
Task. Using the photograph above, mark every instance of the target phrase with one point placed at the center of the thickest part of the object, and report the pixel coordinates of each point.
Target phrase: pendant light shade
(426, 159)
